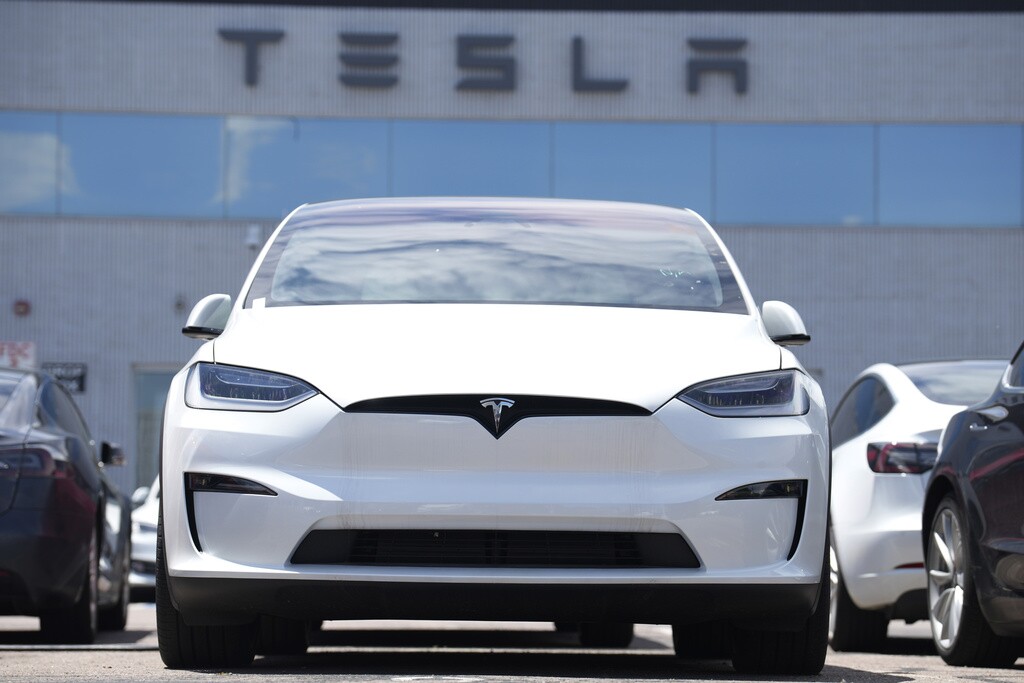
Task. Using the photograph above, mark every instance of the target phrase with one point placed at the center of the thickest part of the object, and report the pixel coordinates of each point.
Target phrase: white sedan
(144, 524)
(885, 435)
(548, 410)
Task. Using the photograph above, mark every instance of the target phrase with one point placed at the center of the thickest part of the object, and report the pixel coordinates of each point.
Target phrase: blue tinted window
(276, 164)
(30, 163)
(471, 158)
(660, 163)
(950, 175)
(803, 174)
(143, 165)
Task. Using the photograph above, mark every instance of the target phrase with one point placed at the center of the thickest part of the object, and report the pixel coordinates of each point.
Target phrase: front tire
(280, 636)
(799, 652)
(196, 647)
(959, 629)
(850, 628)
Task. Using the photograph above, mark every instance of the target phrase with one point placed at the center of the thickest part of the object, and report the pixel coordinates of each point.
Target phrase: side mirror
(111, 454)
(139, 496)
(784, 324)
(208, 317)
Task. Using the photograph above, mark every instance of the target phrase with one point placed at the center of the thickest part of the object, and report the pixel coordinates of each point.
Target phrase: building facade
(866, 167)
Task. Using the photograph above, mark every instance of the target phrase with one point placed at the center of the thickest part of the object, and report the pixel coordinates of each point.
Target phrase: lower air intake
(465, 548)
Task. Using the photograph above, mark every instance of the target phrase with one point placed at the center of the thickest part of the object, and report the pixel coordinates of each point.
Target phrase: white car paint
(144, 527)
(331, 468)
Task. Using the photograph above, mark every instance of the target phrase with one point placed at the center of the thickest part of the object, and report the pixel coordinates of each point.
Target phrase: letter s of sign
(503, 66)
(252, 41)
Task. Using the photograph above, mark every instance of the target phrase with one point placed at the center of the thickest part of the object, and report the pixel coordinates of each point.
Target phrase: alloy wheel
(946, 578)
(833, 595)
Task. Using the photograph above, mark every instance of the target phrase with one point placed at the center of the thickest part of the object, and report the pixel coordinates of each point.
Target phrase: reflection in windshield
(496, 257)
(960, 383)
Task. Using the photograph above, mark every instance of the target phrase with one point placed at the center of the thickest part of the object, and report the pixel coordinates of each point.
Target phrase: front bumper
(220, 601)
(229, 555)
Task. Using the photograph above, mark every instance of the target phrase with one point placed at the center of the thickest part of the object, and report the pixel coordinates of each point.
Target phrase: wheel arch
(939, 488)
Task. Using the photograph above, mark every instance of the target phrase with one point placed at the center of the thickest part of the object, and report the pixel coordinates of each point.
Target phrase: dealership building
(863, 161)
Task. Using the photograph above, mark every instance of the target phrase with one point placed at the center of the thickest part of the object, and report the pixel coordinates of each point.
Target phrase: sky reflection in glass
(140, 165)
(950, 175)
(761, 174)
(30, 162)
(276, 164)
(658, 163)
(471, 158)
(795, 174)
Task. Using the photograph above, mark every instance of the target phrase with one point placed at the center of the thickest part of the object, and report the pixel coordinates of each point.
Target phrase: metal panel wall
(802, 67)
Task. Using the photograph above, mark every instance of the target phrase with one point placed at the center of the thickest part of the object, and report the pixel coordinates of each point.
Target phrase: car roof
(452, 208)
(925, 366)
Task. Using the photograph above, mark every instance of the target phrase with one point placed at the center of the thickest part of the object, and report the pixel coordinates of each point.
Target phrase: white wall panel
(802, 67)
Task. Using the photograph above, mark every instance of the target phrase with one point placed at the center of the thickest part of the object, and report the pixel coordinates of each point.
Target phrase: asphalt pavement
(452, 652)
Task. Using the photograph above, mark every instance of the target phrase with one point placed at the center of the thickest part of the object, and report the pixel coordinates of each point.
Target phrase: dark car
(64, 526)
(973, 530)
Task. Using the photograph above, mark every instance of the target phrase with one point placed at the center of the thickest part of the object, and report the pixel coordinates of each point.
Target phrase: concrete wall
(802, 67)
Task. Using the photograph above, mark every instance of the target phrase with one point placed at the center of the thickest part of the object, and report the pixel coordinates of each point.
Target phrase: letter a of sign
(734, 66)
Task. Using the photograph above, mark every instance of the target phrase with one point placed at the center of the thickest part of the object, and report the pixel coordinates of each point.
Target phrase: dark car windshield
(494, 254)
(958, 383)
(17, 400)
(6, 389)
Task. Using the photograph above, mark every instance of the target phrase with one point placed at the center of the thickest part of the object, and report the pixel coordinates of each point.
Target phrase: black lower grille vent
(465, 548)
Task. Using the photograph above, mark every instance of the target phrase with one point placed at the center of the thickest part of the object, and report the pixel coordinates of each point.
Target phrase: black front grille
(468, 548)
(515, 407)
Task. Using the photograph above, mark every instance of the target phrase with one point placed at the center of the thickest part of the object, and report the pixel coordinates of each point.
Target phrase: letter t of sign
(252, 41)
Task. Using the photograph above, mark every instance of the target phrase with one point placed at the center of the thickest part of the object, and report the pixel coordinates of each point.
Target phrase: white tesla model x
(495, 409)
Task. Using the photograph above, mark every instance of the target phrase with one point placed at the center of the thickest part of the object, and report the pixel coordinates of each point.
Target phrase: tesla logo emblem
(497, 405)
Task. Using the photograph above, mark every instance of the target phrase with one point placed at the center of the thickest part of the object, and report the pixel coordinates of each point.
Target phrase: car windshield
(17, 402)
(6, 389)
(959, 383)
(493, 254)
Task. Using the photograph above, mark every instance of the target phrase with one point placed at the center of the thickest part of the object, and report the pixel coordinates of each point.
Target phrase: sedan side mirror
(784, 324)
(111, 454)
(208, 317)
(139, 496)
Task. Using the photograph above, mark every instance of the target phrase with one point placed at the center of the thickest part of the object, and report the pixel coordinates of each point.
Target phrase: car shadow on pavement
(909, 646)
(104, 638)
(508, 653)
(610, 665)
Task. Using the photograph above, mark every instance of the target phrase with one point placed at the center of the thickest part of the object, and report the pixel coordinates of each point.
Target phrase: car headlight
(766, 394)
(224, 387)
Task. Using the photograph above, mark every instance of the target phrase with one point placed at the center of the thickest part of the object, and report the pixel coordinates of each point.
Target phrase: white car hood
(357, 352)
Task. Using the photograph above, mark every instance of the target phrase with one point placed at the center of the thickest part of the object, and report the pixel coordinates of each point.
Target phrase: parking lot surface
(454, 652)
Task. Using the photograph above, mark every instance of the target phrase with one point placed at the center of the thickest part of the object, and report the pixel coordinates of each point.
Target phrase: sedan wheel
(78, 623)
(850, 628)
(961, 634)
(115, 617)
